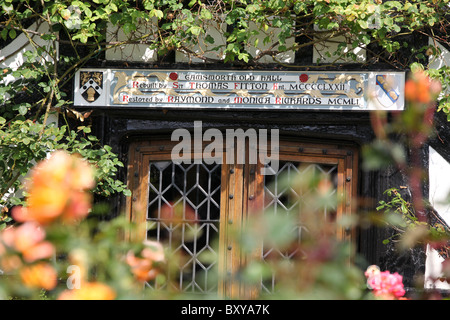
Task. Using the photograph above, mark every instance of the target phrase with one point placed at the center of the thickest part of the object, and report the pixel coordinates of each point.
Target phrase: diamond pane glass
(183, 213)
(281, 198)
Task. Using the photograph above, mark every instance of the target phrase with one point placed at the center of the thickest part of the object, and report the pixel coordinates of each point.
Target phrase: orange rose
(143, 268)
(10, 263)
(28, 239)
(77, 207)
(41, 275)
(63, 168)
(89, 291)
(420, 88)
(39, 251)
(57, 189)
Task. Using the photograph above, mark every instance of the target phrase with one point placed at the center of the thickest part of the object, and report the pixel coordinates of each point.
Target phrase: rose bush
(52, 232)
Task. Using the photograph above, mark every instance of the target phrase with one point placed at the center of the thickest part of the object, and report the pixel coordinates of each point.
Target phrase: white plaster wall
(439, 174)
(321, 48)
(440, 60)
(215, 30)
(439, 191)
(129, 52)
(439, 188)
(284, 57)
(12, 56)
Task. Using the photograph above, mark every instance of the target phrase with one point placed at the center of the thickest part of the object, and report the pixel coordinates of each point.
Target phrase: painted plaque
(240, 89)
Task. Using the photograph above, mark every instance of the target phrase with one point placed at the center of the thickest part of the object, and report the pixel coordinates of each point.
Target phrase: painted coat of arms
(91, 85)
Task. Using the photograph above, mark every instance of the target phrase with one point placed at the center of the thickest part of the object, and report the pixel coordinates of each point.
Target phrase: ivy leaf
(195, 30)
(206, 14)
(156, 13)
(23, 110)
(363, 24)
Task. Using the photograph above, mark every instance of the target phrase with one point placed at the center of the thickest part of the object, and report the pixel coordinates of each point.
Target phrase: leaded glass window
(282, 198)
(184, 214)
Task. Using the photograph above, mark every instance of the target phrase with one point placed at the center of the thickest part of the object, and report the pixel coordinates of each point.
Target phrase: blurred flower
(57, 189)
(28, 239)
(41, 275)
(420, 88)
(89, 291)
(325, 187)
(174, 213)
(385, 285)
(144, 268)
(371, 271)
(10, 262)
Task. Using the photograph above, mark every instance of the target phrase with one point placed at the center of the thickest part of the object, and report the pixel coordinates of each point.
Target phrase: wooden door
(195, 209)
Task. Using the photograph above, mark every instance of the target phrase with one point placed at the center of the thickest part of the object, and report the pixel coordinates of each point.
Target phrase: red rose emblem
(304, 77)
(173, 76)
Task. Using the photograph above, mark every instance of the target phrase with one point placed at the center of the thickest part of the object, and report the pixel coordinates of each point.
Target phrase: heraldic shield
(91, 85)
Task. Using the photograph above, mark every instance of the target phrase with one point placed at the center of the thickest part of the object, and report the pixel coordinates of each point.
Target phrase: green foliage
(176, 25)
(401, 216)
(24, 142)
(34, 90)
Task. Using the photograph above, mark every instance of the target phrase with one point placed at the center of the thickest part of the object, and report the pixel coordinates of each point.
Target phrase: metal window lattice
(183, 213)
(281, 198)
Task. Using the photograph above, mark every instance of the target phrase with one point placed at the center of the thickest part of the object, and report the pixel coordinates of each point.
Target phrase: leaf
(156, 13)
(206, 14)
(23, 110)
(4, 34)
(252, 8)
(363, 24)
(195, 30)
(115, 18)
(243, 56)
(12, 34)
(128, 27)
